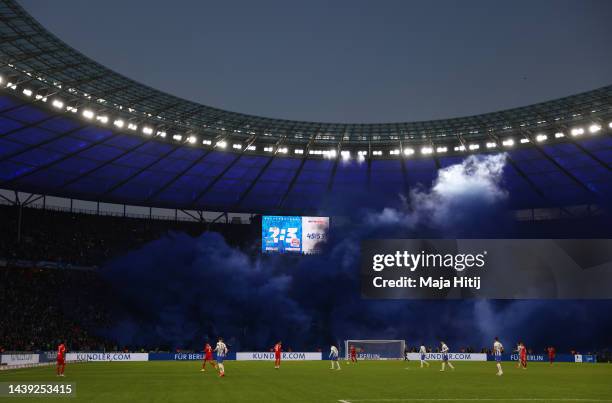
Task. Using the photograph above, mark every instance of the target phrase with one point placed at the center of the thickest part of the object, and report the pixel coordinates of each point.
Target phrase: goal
(376, 349)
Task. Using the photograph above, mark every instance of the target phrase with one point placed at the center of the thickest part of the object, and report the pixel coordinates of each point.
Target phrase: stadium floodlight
(252, 148)
(473, 147)
(119, 123)
(577, 131)
(377, 152)
(132, 126)
(491, 145)
(508, 143)
(236, 146)
(1, 79)
(27, 92)
(40, 98)
(206, 142)
(541, 137)
(524, 141)
(298, 151)
(162, 134)
(345, 154)
(268, 149)
(363, 153)
(594, 128)
(610, 125)
(394, 152)
(459, 148)
(57, 104)
(407, 151)
(426, 150)
(283, 150)
(559, 135)
(177, 137)
(72, 109)
(441, 150)
(147, 130)
(331, 154)
(88, 114)
(102, 119)
(192, 139)
(221, 144)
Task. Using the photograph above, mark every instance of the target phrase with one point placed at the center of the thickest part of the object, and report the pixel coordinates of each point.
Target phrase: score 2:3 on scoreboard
(293, 234)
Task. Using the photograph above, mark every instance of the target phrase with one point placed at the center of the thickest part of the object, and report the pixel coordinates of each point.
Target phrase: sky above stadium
(346, 60)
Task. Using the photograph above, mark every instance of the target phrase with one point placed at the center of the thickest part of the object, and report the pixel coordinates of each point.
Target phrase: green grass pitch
(313, 381)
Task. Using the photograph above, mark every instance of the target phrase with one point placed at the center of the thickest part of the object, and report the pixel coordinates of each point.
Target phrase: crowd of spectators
(43, 307)
(89, 239)
(50, 291)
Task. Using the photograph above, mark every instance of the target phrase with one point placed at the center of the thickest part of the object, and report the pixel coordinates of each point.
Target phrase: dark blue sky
(348, 60)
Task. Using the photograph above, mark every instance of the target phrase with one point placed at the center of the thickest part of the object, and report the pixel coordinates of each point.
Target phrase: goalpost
(376, 349)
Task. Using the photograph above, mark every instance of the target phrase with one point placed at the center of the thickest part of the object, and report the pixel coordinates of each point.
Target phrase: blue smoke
(179, 291)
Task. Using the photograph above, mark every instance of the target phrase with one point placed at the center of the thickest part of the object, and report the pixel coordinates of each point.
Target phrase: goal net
(376, 349)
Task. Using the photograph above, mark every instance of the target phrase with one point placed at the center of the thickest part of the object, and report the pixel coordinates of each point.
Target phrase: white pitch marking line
(477, 400)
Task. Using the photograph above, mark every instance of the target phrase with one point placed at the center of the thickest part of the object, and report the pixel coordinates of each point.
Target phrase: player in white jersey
(221, 350)
(498, 349)
(422, 352)
(333, 357)
(444, 351)
(518, 351)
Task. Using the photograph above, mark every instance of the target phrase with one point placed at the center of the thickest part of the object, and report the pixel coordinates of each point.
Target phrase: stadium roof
(57, 68)
(71, 127)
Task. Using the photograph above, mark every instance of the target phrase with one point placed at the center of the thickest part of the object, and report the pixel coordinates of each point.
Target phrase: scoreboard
(293, 234)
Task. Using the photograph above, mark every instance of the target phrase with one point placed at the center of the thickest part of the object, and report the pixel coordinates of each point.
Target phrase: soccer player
(523, 355)
(423, 352)
(333, 356)
(551, 354)
(353, 352)
(518, 351)
(498, 349)
(208, 356)
(221, 350)
(444, 351)
(278, 348)
(61, 359)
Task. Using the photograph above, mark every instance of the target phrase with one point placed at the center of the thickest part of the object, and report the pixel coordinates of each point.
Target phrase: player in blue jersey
(423, 353)
(333, 357)
(221, 350)
(498, 349)
(444, 351)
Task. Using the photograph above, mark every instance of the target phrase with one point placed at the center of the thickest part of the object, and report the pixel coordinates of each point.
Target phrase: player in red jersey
(61, 359)
(278, 349)
(551, 354)
(353, 352)
(208, 356)
(523, 355)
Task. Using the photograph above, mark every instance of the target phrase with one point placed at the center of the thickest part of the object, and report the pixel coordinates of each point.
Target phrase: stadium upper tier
(71, 127)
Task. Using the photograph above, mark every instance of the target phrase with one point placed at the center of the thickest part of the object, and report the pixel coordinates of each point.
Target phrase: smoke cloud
(179, 291)
(453, 196)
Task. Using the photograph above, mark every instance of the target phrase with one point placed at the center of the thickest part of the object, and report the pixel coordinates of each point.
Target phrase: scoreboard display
(293, 234)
